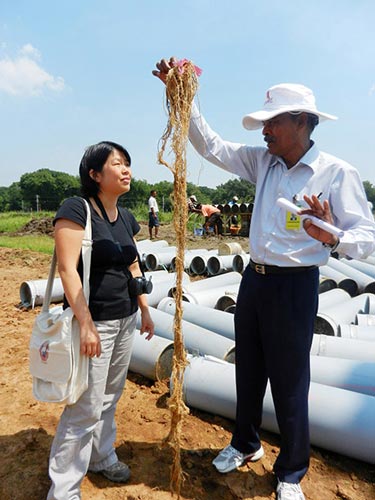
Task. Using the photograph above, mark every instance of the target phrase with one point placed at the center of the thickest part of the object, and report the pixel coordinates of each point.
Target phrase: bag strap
(86, 259)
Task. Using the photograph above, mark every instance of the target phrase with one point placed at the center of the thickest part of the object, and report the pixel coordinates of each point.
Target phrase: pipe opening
(151, 262)
(198, 265)
(224, 302)
(165, 363)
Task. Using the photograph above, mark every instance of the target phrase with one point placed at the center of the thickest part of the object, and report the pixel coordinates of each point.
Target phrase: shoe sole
(123, 479)
(252, 458)
(116, 480)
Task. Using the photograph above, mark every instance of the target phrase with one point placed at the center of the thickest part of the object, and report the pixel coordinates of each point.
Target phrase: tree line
(46, 189)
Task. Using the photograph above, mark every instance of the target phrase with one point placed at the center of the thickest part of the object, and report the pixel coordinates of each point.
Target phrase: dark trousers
(274, 324)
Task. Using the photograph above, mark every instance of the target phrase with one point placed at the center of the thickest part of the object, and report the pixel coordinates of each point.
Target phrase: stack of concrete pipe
(342, 353)
(342, 367)
(341, 420)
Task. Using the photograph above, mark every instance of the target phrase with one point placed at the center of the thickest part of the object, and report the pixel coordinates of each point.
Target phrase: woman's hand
(147, 325)
(321, 211)
(163, 68)
(90, 341)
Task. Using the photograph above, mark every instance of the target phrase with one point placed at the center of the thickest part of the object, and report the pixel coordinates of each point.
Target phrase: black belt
(266, 269)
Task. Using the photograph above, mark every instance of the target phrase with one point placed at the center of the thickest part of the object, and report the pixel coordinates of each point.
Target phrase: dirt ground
(27, 426)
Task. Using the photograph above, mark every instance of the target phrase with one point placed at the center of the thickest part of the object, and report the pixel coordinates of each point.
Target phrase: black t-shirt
(113, 251)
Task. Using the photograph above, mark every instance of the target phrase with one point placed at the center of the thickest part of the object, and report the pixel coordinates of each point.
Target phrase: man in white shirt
(153, 214)
(278, 296)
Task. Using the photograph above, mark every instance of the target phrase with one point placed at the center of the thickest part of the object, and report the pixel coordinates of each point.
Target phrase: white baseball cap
(193, 198)
(284, 98)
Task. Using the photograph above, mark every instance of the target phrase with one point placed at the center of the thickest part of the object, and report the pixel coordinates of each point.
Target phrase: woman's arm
(68, 241)
(147, 325)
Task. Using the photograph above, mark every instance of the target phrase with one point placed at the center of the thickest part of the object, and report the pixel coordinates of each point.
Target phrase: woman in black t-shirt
(86, 431)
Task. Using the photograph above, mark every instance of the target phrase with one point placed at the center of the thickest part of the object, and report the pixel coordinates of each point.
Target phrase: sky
(76, 72)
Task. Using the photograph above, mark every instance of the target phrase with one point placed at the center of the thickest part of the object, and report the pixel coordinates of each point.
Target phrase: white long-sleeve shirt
(270, 240)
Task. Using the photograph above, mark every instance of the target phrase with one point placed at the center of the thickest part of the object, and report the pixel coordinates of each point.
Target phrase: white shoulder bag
(60, 372)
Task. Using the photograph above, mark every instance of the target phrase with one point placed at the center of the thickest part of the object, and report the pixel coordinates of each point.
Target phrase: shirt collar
(310, 158)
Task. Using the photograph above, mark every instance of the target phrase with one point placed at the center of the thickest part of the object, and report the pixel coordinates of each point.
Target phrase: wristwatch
(332, 247)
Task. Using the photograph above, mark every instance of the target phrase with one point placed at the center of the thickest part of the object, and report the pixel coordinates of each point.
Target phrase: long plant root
(181, 87)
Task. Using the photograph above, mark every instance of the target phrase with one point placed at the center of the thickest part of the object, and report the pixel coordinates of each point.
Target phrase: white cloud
(29, 51)
(372, 90)
(24, 76)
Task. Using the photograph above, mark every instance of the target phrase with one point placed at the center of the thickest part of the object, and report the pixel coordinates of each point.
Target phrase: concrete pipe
(235, 208)
(154, 261)
(357, 332)
(332, 297)
(145, 244)
(159, 275)
(210, 283)
(364, 267)
(370, 259)
(348, 374)
(225, 301)
(327, 320)
(198, 264)
(206, 317)
(32, 292)
(365, 283)
(152, 358)
(226, 209)
(197, 340)
(326, 284)
(337, 347)
(219, 264)
(162, 284)
(188, 257)
(232, 248)
(209, 296)
(365, 319)
(340, 421)
(240, 261)
(347, 284)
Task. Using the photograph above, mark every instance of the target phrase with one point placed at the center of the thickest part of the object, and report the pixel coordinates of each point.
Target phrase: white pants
(86, 432)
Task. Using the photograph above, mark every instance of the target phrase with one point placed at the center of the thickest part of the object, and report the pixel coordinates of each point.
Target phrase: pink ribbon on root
(182, 62)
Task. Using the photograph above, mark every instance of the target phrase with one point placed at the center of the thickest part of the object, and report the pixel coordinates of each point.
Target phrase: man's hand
(321, 211)
(163, 67)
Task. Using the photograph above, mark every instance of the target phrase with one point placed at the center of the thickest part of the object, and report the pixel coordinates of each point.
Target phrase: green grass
(11, 222)
(37, 243)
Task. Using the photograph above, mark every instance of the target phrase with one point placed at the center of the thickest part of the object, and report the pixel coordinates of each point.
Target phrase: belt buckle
(260, 269)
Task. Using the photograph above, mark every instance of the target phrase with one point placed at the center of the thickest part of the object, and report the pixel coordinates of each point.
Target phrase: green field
(13, 222)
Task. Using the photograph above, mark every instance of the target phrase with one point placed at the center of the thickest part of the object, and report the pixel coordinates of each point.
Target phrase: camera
(139, 286)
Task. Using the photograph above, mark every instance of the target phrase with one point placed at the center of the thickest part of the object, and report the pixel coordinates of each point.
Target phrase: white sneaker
(230, 458)
(289, 491)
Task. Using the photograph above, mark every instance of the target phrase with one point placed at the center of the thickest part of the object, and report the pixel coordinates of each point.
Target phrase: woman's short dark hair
(94, 159)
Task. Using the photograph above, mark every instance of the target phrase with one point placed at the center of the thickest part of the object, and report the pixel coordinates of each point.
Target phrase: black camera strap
(127, 227)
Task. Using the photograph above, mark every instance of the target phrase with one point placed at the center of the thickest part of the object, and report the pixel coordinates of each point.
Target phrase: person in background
(211, 214)
(153, 214)
(86, 433)
(233, 201)
(278, 296)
